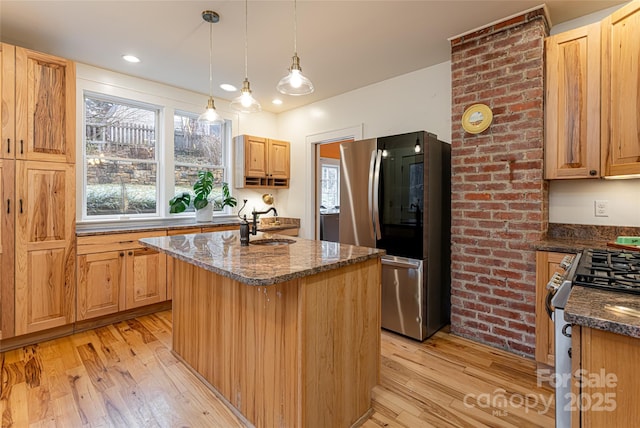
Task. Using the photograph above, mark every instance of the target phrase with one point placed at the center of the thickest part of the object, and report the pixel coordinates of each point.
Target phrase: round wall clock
(477, 118)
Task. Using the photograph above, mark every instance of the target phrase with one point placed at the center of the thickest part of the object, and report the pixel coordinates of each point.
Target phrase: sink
(272, 241)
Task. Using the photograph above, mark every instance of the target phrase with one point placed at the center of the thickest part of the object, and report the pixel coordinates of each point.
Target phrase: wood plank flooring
(124, 375)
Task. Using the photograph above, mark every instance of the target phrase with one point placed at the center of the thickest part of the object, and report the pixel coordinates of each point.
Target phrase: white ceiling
(343, 45)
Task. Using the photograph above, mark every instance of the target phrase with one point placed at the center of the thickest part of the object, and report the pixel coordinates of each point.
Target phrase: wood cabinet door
(100, 284)
(611, 386)
(7, 215)
(7, 101)
(278, 159)
(255, 156)
(572, 121)
(546, 264)
(45, 107)
(621, 91)
(45, 246)
(146, 277)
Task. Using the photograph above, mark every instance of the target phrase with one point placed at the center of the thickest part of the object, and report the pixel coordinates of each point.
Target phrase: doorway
(329, 143)
(328, 190)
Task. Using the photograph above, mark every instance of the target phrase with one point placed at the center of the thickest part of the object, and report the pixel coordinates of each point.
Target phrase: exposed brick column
(499, 198)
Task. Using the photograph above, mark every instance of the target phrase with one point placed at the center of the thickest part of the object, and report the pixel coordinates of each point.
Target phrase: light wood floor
(124, 375)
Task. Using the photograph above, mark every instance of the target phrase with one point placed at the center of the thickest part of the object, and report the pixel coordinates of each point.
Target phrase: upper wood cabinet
(7, 216)
(621, 91)
(261, 162)
(7, 101)
(572, 113)
(45, 107)
(45, 249)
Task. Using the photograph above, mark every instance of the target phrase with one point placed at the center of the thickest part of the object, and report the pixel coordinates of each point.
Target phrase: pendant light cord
(295, 28)
(210, 59)
(246, 43)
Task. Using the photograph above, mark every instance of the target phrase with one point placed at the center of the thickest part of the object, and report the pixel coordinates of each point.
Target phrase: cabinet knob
(593, 173)
(122, 254)
(130, 253)
(8, 145)
(21, 147)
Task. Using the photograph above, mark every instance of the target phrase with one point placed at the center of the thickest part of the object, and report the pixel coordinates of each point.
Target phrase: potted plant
(202, 190)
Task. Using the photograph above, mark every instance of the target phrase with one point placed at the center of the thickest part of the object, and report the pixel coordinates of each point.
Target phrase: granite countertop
(266, 224)
(573, 238)
(221, 253)
(605, 310)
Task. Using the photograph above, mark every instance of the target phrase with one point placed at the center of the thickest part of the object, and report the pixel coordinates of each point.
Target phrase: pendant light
(417, 147)
(245, 103)
(295, 83)
(210, 115)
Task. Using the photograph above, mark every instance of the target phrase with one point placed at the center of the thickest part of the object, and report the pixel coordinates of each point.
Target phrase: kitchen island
(287, 335)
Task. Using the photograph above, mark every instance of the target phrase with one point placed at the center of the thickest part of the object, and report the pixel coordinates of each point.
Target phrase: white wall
(572, 201)
(416, 101)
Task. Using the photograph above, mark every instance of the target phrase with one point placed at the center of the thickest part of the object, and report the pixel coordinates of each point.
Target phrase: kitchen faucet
(254, 213)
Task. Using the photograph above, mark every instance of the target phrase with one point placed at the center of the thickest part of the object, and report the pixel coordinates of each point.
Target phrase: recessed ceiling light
(277, 101)
(228, 87)
(130, 58)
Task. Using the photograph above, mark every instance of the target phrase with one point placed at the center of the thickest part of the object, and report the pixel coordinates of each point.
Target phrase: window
(197, 147)
(330, 183)
(133, 164)
(121, 165)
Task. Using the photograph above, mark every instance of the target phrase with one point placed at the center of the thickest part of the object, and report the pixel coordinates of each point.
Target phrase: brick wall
(499, 199)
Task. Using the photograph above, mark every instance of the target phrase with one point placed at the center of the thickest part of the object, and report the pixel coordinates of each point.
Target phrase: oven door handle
(547, 305)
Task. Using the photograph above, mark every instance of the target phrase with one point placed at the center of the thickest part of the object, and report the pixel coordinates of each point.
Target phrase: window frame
(158, 149)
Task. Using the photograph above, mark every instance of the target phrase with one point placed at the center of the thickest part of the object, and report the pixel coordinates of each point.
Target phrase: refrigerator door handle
(370, 193)
(376, 201)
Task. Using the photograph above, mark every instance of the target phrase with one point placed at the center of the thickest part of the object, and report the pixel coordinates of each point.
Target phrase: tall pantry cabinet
(621, 91)
(38, 146)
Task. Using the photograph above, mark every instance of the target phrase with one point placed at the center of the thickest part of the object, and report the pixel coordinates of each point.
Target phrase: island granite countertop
(270, 224)
(611, 311)
(221, 253)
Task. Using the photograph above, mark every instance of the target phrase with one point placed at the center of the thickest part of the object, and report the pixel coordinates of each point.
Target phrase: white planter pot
(205, 215)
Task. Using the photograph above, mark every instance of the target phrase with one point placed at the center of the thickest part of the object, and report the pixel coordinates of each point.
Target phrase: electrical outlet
(602, 208)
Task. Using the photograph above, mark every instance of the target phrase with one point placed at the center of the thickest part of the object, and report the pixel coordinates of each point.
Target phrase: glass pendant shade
(295, 83)
(245, 103)
(210, 115)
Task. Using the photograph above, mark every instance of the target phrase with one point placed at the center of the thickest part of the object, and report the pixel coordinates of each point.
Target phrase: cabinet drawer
(114, 242)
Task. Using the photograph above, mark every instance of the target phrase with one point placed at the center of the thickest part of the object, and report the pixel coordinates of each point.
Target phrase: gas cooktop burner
(615, 270)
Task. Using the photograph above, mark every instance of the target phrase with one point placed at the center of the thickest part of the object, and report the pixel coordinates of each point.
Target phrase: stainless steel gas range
(613, 270)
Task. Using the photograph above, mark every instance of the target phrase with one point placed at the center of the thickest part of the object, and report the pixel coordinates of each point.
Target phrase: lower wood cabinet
(546, 264)
(606, 379)
(100, 284)
(116, 273)
(146, 277)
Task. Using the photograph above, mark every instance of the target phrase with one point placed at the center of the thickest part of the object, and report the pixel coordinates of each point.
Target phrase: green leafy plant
(226, 199)
(202, 189)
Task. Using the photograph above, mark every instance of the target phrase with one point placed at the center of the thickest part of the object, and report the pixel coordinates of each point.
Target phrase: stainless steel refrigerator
(395, 194)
